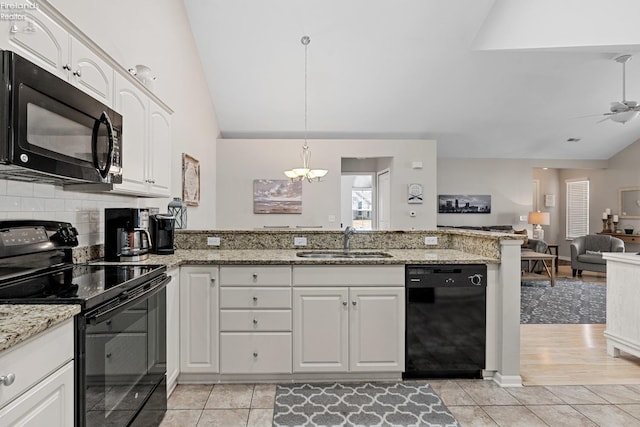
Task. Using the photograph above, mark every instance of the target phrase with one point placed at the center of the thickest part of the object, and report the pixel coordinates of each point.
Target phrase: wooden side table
(535, 257)
(552, 249)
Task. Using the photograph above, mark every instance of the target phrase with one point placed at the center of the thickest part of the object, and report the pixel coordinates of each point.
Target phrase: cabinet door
(37, 38)
(320, 330)
(376, 323)
(133, 105)
(159, 175)
(49, 403)
(90, 73)
(173, 329)
(199, 319)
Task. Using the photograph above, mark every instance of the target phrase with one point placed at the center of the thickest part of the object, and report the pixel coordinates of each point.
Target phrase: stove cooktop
(87, 285)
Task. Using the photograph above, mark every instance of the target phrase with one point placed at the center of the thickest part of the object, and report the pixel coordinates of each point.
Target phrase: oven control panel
(23, 236)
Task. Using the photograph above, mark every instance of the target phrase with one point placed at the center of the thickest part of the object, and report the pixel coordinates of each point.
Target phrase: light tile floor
(472, 402)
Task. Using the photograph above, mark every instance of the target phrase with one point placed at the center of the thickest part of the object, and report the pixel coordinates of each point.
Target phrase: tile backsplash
(26, 200)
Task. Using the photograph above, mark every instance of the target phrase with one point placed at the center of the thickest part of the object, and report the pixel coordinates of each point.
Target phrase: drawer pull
(255, 321)
(255, 299)
(255, 354)
(255, 276)
(8, 379)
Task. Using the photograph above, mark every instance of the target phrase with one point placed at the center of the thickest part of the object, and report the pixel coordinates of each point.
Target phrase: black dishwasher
(445, 320)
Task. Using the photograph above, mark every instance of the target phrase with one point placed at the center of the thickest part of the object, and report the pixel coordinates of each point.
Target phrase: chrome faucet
(348, 233)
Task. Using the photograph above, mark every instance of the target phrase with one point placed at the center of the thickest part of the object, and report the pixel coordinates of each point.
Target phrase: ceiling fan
(622, 112)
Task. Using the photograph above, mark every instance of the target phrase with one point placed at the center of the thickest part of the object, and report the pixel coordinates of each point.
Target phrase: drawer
(255, 275)
(349, 275)
(255, 353)
(255, 320)
(35, 359)
(255, 297)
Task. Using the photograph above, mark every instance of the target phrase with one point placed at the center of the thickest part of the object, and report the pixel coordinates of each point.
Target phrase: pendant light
(305, 172)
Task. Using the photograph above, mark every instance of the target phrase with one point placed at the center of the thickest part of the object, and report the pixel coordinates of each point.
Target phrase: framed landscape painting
(277, 196)
(465, 204)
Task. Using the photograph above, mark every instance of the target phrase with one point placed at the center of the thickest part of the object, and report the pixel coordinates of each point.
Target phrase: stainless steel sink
(343, 255)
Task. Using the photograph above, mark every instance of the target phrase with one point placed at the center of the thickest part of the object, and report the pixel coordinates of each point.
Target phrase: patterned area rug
(360, 404)
(568, 302)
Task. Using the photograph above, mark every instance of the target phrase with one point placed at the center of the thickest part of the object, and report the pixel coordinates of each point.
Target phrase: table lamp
(539, 219)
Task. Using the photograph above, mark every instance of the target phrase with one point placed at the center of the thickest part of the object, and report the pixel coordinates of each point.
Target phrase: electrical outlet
(332, 218)
(300, 241)
(431, 240)
(523, 217)
(213, 241)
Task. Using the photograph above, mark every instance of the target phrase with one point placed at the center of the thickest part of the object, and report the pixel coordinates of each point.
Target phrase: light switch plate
(213, 241)
(431, 240)
(300, 241)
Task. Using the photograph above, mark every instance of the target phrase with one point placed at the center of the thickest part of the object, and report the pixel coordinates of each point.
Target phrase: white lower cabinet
(42, 392)
(255, 319)
(321, 330)
(173, 329)
(352, 327)
(199, 327)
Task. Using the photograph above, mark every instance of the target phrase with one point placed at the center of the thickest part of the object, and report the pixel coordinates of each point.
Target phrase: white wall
(239, 162)
(157, 34)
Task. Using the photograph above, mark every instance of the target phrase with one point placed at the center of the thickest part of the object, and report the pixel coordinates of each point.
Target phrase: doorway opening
(365, 193)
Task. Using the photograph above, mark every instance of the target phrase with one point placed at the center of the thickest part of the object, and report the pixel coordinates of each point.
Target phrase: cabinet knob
(66, 67)
(344, 303)
(213, 280)
(255, 321)
(108, 355)
(255, 354)
(354, 303)
(255, 299)
(255, 276)
(77, 73)
(8, 379)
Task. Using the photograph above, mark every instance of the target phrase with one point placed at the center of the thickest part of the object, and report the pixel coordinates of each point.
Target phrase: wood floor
(572, 354)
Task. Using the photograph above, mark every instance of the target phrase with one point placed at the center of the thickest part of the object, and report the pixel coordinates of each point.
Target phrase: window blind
(577, 208)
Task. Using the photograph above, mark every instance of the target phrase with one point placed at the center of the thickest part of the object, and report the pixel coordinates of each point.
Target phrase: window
(577, 208)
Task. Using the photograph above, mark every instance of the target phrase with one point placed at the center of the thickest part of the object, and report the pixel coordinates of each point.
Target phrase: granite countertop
(287, 256)
(19, 322)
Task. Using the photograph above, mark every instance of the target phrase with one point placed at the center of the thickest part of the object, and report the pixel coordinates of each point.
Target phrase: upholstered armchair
(586, 252)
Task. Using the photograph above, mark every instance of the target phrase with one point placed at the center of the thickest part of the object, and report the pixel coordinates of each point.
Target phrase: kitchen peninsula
(271, 253)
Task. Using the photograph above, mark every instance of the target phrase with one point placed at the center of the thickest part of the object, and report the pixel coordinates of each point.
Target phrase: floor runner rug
(360, 404)
(570, 301)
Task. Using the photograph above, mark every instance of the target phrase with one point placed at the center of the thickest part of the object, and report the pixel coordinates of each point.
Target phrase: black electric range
(120, 333)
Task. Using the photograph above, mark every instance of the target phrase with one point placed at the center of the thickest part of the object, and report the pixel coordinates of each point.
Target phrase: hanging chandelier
(305, 172)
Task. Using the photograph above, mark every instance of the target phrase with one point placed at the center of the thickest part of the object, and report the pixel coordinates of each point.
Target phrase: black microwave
(51, 131)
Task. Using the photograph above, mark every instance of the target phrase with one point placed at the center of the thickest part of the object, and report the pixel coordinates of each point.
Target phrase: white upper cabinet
(46, 43)
(146, 142)
(37, 38)
(134, 107)
(159, 165)
(45, 38)
(90, 73)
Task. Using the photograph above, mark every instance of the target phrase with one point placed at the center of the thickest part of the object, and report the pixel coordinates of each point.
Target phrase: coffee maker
(126, 234)
(162, 232)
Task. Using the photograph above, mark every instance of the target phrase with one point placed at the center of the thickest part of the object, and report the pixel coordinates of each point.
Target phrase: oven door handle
(94, 319)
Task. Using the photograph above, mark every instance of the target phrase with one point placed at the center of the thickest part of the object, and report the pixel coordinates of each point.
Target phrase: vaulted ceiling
(485, 78)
